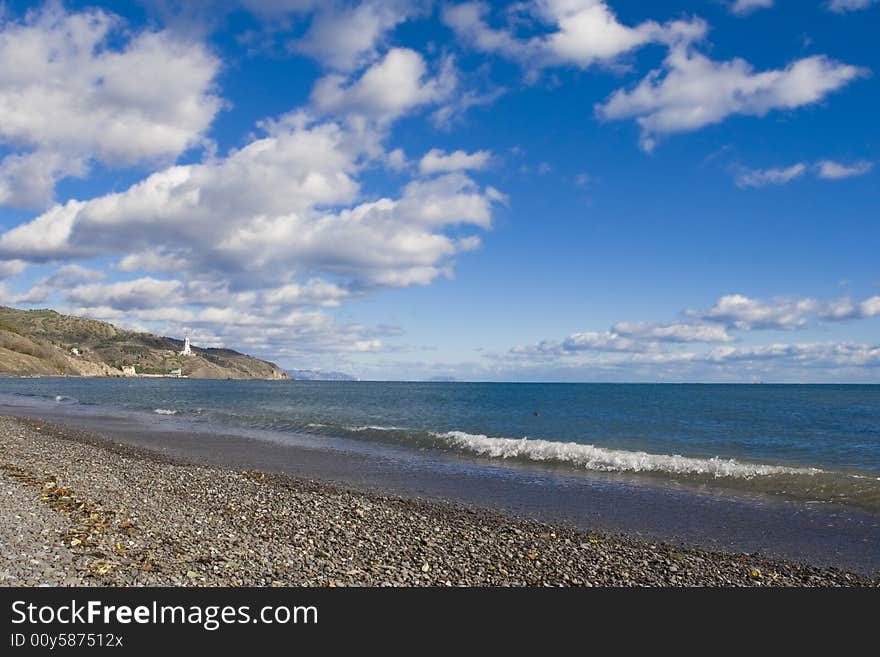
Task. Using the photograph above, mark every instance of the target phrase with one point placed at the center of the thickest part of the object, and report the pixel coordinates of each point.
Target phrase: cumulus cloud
(744, 7)
(345, 37)
(77, 88)
(764, 177)
(627, 337)
(785, 313)
(316, 292)
(280, 210)
(572, 32)
(692, 91)
(741, 312)
(144, 292)
(392, 87)
(835, 171)
(437, 160)
(672, 343)
(68, 276)
(601, 341)
(27, 180)
(847, 308)
(63, 278)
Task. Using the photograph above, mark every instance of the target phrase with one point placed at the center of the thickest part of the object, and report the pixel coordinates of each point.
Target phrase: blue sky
(572, 190)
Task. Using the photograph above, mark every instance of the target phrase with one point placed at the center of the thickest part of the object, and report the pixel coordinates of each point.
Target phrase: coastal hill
(47, 343)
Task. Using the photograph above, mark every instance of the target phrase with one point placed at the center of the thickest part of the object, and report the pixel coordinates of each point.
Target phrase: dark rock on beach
(79, 509)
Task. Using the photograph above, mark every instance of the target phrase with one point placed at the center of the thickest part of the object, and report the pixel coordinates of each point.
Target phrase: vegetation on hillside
(47, 343)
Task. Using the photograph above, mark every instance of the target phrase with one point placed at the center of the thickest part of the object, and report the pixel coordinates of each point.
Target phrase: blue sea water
(814, 443)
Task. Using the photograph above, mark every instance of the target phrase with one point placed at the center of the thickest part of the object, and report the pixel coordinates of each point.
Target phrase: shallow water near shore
(792, 471)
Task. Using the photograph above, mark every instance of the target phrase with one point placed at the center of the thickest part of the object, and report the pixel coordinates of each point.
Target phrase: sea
(785, 470)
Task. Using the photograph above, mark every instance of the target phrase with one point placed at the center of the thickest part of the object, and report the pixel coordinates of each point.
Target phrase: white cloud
(285, 336)
(835, 171)
(586, 341)
(281, 210)
(672, 343)
(9, 268)
(152, 259)
(67, 276)
(764, 177)
(315, 292)
(825, 169)
(145, 292)
(271, 322)
(646, 338)
(673, 332)
(841, 6)
(576, 32)
(345, 37)
(392, 87)
(63, 278)
(692, 91)
(744, 7)
(396, 160)
(436, 160)
(601, 341)
(845, 308)
(27, 180)
(67, 97)
(813, 355)
(741, 312)
(785, 313)
(455, 107)
(452, 198)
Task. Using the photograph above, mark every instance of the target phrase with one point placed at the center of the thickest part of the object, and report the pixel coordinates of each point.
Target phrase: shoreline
(85, 510)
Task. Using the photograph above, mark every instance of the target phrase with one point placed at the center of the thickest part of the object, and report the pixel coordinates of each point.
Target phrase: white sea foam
(164, 411)
(64, 398)
(604, 459)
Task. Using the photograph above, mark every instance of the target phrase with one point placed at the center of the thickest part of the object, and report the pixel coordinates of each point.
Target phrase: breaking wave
(164, 411)
(570, 454)
(604, 459)
(64, 399)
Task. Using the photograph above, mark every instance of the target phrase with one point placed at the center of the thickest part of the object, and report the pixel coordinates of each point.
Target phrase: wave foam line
(164, 411)
(603, 459)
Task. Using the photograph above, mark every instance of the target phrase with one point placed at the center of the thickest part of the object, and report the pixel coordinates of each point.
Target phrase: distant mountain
(320, 375)
(47, 343)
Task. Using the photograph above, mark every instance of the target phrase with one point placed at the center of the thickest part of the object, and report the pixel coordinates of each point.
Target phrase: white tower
(187, 351)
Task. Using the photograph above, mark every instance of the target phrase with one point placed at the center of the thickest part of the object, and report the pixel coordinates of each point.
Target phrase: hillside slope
(41, 343)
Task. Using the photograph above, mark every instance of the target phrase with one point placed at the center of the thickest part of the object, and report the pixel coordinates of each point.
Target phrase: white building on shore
(187, 349)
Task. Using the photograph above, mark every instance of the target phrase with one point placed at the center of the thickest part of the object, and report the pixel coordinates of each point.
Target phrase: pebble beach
(82, 510)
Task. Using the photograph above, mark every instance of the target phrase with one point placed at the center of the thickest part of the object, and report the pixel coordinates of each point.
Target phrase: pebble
(80, 509)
